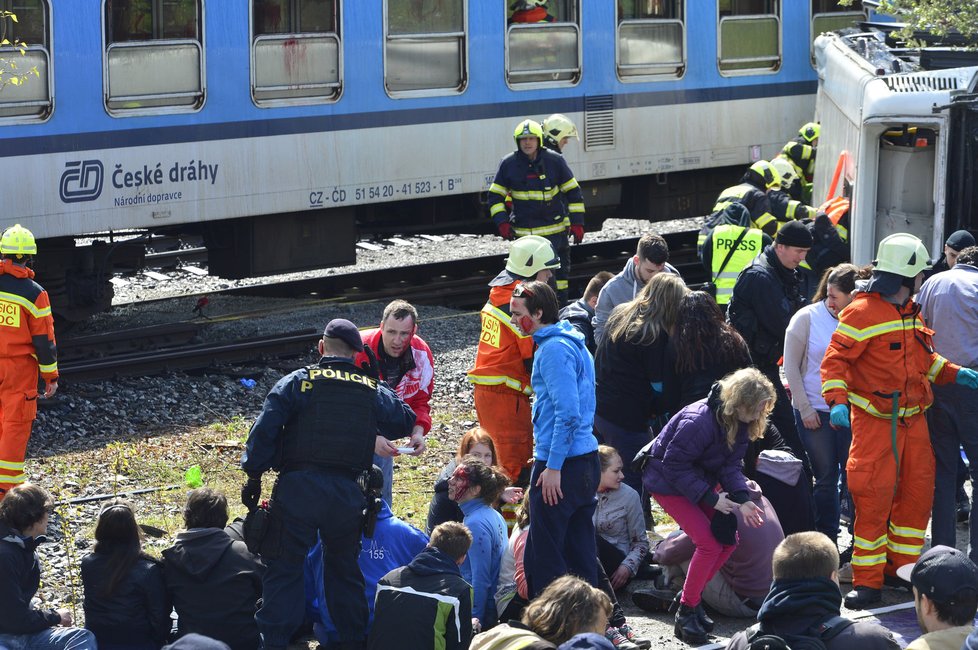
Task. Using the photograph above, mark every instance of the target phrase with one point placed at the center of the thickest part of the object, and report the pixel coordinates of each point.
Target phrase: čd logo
(82, 180)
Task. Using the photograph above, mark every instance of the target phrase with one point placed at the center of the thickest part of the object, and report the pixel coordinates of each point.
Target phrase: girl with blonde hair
(695, 472)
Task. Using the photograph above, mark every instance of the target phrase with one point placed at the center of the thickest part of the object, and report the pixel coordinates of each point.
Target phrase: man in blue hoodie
(427, 604)
(566, 471)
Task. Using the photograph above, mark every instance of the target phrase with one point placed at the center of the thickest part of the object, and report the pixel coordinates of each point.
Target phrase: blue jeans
(386, 465)
(306, 502)
(562, 538)
(53, 638)
(828, 450)
(953, 422)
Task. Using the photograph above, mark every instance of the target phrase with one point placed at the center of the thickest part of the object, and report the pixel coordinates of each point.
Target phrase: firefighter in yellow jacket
(881, 362)
(27, 348)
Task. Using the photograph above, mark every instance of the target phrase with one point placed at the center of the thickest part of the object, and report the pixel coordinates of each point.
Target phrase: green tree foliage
(937, 17)
(10, 48)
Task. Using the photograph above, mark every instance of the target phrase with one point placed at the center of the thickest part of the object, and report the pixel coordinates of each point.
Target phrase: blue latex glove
(967, 377)
(839, 416)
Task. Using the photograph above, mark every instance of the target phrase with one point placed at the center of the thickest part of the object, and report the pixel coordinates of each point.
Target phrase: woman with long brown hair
(704, 349)
(806, 340)
(629, 367)
(126, 603)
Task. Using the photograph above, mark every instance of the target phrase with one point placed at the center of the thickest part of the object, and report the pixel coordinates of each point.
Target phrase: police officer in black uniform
(318, 428)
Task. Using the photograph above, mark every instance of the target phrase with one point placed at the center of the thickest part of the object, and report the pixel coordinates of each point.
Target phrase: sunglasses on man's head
(521, 290)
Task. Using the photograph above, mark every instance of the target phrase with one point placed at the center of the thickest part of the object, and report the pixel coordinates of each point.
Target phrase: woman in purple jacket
(694, 471)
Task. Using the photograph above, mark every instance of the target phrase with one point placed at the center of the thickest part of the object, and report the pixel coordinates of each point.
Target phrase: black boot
(654, 600)
(896, 582)
(863, 597)
(705, 621)
(704, 618)
(688, 628)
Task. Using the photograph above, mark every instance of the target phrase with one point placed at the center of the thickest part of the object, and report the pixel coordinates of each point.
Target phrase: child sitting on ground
(619, 522)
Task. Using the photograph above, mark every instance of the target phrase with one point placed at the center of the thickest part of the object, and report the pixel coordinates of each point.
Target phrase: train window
(543, 42)
(749, 36)
(651, 39)
(31, 98)
(154, 56)
(296, 51)
(829, 15)
(424, 47)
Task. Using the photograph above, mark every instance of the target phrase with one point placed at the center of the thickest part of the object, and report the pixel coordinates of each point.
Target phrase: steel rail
(192, 357)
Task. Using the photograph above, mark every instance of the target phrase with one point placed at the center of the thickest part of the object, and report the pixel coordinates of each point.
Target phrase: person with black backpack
(802, 609)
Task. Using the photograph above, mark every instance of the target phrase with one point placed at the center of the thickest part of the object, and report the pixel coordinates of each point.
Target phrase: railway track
(127, 341)
(458, 284)
(191, 356)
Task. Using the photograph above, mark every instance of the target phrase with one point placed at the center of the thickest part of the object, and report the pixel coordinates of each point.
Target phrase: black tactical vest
(337, 427)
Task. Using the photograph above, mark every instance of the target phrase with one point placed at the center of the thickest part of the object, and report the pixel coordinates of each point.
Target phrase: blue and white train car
(277, 128)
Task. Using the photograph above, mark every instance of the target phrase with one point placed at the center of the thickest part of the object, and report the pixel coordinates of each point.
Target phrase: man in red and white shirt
(406, 365)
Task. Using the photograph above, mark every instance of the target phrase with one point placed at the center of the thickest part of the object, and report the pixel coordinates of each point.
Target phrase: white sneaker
(845, 573)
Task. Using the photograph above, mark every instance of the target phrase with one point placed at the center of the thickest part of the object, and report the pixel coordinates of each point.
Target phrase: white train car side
(888, 137)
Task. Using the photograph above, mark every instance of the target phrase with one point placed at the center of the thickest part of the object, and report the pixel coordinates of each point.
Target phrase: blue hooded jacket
(394, 544)
(563, 381)
(586, 641)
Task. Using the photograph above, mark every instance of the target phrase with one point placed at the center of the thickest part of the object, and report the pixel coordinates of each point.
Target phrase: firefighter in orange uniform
(502, 363)
(881, 361)
(27, 346)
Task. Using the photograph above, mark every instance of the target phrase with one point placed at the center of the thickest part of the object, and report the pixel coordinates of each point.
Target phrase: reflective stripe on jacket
(785, 209)
(535, 187)
(26, 323)
(756, 201)
(880, 348)
(802, 157)
(503, 352)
